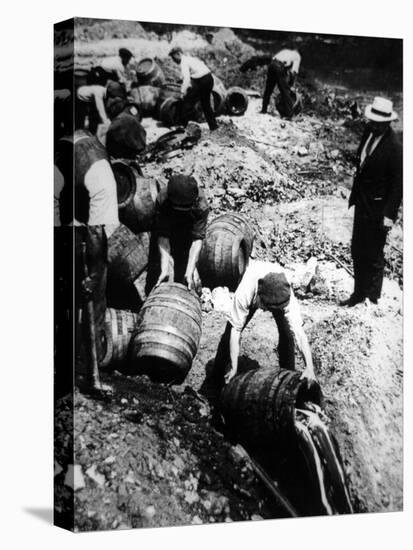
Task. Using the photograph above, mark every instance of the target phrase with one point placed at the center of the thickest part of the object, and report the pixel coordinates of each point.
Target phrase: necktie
(368, 148)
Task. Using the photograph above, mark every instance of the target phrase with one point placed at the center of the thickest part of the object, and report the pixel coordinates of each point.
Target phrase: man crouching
(265, 286)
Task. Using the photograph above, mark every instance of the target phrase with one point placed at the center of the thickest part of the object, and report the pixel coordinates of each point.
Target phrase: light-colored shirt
(98, 94)
(113, 64)
(192, 67)
(245, 297)
(376, 141)
(290, 58)
(101, 186)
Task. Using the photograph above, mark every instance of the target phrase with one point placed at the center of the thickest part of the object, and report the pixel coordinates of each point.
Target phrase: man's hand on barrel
(189, 279)
(164, 277)
(309, 375)
(230, 374)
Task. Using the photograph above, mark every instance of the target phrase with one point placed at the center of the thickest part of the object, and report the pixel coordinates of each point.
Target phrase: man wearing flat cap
(376, 196)
(116, 66)
(180, 225)
(265, 286)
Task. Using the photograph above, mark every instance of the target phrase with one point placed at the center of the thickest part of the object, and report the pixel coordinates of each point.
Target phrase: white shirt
(98, 94)
(290, 58)
(192, 67)
(245, 297)
(101, 185)
(376, 141)
(113, 64)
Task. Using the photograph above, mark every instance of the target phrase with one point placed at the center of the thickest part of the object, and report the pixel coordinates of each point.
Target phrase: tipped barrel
(170, 111)
(119, 325)
(259, 406)
(226, 250)
(168, 334)
(136, 196)
(146, 97)
(236, 102)
(148, 72)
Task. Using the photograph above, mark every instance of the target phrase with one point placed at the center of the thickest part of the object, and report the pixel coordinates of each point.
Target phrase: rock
(98, 478)
(256, 517)
(109, 460)
(334, 154)
(222, 299)
(302, 151)
(191, 497)
(219, 505)
(74, 477)
(149, 512)
(196, 520)
(236, 191)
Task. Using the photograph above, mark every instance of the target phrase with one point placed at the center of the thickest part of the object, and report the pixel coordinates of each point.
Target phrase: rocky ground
(151, 456)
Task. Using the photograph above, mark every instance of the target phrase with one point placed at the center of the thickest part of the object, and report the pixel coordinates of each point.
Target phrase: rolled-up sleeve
(243, 303)
(293, 316)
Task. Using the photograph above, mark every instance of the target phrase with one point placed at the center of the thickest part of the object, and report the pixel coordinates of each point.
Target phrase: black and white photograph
(228, 274)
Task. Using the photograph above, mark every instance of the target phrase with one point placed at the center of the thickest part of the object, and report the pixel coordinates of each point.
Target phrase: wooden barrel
(236, 102)
(225, 251)
(297, 103)
(119, 325)
(127, 254)
(146, 97)
(149, 72)
(259, 406)
(168, 334)
(169, 111)
(136, 196)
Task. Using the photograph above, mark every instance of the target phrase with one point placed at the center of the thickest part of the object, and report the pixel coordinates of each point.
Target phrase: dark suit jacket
(377, 188)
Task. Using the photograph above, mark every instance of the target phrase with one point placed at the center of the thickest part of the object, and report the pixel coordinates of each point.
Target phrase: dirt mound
(359, 361)
(150, 457)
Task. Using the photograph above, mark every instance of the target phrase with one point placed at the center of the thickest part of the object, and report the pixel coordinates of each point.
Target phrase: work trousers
(367, 251)
(180, 246)
(69, 303)
(278, 74)
(200, 90)
(285, 350)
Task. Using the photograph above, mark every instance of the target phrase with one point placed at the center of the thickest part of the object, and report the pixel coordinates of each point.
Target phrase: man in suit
(376, 196)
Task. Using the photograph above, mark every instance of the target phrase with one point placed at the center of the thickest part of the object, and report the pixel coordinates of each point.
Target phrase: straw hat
(381, 110)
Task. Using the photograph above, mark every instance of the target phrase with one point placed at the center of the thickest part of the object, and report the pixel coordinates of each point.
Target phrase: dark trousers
(200, 90)
(285, 350)
(367, 251)
(280, 75)
(180, 246)
(70, 336)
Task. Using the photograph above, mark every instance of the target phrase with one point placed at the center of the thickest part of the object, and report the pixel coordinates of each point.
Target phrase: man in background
(376, 196)
(116, 67)
(197, 85)
(282, 71)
